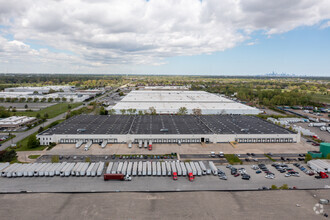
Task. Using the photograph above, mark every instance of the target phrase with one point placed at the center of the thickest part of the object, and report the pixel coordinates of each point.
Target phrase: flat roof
(169, 102)
(165, 124)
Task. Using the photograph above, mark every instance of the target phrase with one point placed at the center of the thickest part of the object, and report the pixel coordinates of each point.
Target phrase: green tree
(33, 142)
(46, 115)
(123, 111)
(152, 111)
(41, 129)
(308, 157)
(29, 99)
(43, 99)
(111, 112)
(38, 115)
(182, 111)
(328, 156)
(103, 111)
(50, 99)
(36, 99)
(63, 99)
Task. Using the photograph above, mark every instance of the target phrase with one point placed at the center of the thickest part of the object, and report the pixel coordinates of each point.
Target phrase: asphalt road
(280, 204)
(22, 135)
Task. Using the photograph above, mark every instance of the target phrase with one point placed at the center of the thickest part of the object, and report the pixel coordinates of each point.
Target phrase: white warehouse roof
(169, 102)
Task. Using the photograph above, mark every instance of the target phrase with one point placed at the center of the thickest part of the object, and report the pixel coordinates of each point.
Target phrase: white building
(16, 121)
(40, 90)
(169, 102)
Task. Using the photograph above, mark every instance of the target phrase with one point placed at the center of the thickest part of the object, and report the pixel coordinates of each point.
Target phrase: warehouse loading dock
(179, 129)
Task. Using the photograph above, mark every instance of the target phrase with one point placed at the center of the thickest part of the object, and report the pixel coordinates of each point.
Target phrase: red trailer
(118, 176)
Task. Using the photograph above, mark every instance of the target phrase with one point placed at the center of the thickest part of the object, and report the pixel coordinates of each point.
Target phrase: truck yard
(154, 176)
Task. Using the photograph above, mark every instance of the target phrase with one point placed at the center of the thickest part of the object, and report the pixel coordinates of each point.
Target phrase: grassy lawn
(269, 157)
(52, 111)
(33, 156)
(233, 159)
(321, 98)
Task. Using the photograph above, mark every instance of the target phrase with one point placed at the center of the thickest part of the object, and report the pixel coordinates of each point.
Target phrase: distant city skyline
(188, 37)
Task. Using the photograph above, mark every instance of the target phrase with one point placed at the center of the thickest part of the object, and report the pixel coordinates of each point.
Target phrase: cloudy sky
(223, 37)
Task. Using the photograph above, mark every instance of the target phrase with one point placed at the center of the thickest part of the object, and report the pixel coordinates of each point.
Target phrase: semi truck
(118, 176)
(213, 168)
(183, 168)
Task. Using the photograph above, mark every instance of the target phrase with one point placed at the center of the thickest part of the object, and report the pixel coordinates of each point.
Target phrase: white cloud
(119, 32)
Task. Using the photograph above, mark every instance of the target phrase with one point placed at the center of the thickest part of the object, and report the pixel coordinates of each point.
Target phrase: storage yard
(169, 102)
(166, 129)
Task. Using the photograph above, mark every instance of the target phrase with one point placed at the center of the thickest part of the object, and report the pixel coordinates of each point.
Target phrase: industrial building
(40, 89)
(16, 122)
(167, 129)
(169, 102)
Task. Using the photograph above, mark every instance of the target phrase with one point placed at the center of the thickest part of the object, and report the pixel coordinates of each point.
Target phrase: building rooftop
(165, 124)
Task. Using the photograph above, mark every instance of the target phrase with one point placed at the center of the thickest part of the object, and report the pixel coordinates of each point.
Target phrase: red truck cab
(175, 176)
(323, 175)
(150, 147)
(191, 177)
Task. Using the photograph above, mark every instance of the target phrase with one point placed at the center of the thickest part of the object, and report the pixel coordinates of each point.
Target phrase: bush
(284, 186)
(328, 156)
(233, 159)
(7, 155)
(88, 160)
(308, 157)
(273, 187)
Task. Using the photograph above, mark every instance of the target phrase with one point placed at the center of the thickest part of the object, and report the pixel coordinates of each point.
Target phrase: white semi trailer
(89, 170)
(135, 167)
(173, 166)
(178, 168)
(149, 168)
(78, 144)
(59, 168)
(194, 170)
(108, 171)
(144, 168)
(154, 168)
(139, 168)
(168, 168)
(213, 168)
(159, 169)
(163, 169)
(202, 166)
(100, 169)
(104, 144)
(183, 168)
(124, 169)
(129, 168)
(198, 168)
(83, 170)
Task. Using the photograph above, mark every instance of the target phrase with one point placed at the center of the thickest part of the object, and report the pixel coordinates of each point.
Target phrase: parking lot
(279, 204)
(242, 148)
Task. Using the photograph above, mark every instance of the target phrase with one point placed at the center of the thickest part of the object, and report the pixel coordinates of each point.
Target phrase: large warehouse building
(167, 129)
(169, 102)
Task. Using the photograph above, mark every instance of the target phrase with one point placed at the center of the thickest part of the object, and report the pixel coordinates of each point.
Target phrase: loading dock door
(202, 140)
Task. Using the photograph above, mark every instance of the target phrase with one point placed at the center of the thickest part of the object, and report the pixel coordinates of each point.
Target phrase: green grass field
(321, 98)
(33, 156)
(52, 111)
(233, 159)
